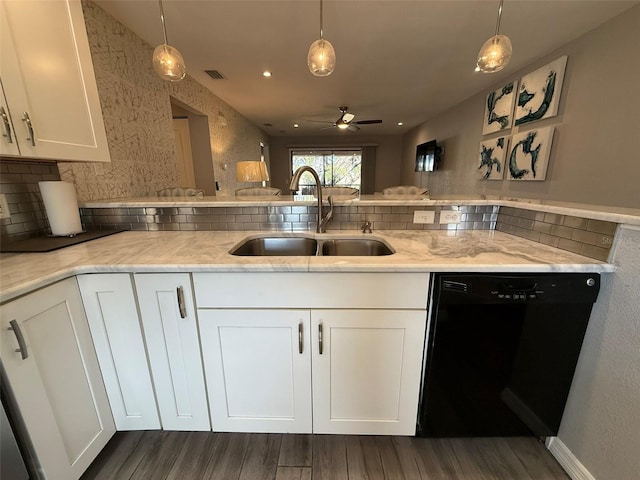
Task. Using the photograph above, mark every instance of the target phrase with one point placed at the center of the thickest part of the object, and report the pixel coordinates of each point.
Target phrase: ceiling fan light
(494, 54)
(321, 58)
(342, 125)
(168, 63)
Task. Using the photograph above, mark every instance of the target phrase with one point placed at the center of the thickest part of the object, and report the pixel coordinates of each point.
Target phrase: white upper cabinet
(8, 142)
(49, 84)
(55, 379)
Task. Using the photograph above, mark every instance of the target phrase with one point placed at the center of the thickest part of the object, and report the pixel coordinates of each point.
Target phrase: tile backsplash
(588, 237)
(282, 218)
(19, 183)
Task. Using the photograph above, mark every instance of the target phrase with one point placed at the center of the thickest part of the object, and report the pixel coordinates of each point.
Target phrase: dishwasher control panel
(526, 295)
(504, 288)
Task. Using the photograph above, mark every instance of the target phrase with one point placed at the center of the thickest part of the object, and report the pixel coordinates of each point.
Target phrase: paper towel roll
(61, 204)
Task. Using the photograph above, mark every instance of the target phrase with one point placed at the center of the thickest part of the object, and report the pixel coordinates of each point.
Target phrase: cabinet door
(57, 387)
(171, 332)
(366, 370)
(47, 75)
(8, 141)
(258, 369)
(113, 319)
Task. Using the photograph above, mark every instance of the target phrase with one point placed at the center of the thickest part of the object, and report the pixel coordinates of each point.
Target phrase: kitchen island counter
(207, 251)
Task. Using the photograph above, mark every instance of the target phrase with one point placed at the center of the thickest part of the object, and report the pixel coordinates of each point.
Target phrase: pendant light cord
(164, 29)
(321, 20)
(499, 17)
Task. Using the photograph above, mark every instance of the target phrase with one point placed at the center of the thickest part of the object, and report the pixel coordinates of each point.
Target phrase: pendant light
(167, 61)
(322, 57)
(495, 52)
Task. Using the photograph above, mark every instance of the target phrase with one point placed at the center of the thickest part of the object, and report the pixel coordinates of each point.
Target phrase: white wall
(595, 156)
(601, 423)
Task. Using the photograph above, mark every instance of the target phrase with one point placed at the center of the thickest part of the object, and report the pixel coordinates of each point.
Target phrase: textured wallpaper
(137, 116)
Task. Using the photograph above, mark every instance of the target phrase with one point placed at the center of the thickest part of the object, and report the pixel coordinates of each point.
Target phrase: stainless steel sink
(283, 246)
(365, 247)
(258, 246)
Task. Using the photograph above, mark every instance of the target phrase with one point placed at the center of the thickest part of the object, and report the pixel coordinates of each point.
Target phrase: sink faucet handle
(366, 227)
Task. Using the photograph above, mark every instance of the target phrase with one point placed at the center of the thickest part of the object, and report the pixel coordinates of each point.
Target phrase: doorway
(184, 157)
(194, 163)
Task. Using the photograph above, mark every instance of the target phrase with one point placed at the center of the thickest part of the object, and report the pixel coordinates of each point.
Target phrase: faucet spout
(295, 184)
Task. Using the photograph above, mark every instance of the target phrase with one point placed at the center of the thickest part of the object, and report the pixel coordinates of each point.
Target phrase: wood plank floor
(227, 456)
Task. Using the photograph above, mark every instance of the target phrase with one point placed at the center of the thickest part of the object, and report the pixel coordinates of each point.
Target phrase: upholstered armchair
(405, 190)
(180, 192)
(257, 191)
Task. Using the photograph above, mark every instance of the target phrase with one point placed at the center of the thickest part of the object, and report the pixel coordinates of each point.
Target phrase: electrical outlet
(450, 216)
(4, 207)
(422, 216)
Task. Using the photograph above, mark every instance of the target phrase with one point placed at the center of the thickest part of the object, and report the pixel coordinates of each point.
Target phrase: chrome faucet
(366, 227)
(294, 185)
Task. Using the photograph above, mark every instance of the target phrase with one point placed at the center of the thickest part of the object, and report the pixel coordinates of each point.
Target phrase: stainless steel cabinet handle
(21, 343)
(181, 305)
(320, 339)
(27, 121)
(7, 125)
(300, 338)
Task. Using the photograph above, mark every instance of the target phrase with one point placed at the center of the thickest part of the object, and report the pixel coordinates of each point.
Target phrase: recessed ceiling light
(400, 124)
(266, 73)
(295, 125)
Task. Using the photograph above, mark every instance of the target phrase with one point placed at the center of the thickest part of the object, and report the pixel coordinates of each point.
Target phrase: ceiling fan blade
(327, 128)
(353, 128)
(367, 122)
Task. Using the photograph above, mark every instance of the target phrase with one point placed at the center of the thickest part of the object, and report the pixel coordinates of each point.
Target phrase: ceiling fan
(345, 121)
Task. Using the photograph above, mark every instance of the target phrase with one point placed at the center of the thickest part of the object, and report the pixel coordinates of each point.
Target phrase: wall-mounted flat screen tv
(428, 156)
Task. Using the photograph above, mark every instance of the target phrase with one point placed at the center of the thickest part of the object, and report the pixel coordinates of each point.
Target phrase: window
(336, 168)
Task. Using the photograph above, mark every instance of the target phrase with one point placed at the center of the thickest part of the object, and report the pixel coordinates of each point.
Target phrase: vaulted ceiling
(397, 60)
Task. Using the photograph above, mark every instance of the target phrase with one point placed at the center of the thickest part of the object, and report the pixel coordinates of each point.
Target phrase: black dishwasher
(501, 352)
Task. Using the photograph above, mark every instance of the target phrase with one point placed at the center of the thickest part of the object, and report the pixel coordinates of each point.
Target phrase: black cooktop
(48, 244)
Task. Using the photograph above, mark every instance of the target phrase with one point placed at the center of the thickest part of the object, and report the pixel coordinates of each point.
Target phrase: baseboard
(568, 460)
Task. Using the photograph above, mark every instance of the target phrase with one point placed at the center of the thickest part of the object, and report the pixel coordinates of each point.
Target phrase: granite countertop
(625, 215)
(206, 251)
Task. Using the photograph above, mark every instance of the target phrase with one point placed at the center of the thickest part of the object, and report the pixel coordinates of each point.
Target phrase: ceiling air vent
(215, 74)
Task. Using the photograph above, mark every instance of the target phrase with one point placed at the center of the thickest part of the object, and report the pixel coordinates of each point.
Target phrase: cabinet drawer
(311, 290)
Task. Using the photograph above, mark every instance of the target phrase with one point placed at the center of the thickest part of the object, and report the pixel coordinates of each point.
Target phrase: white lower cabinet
(366, 370)
(110, 305)
(257, 366)
(365, 366)
(55, 379)
(171, 332)
(313, 352)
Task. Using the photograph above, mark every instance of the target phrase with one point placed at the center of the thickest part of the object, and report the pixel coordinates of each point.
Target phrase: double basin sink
(270, 245)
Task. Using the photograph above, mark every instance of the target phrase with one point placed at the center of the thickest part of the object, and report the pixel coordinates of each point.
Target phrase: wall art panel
(539, 93)
(498, 109)
(529, 156)
(491, 158)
